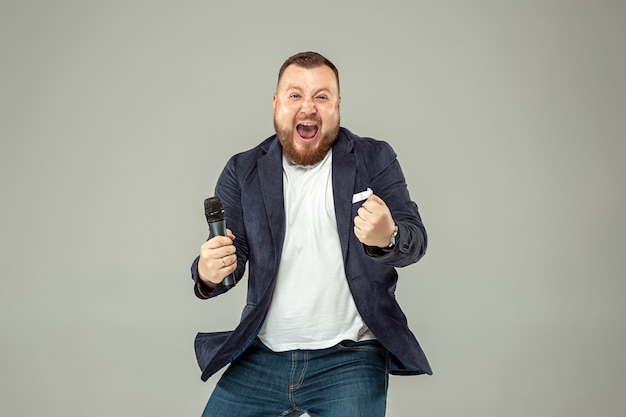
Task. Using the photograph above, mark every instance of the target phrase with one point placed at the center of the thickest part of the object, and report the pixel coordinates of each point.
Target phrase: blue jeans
(346, 380)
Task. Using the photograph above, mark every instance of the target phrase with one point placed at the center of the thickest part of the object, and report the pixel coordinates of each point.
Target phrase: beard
(308, 155)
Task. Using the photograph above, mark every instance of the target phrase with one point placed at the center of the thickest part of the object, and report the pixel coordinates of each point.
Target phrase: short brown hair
(308, 60)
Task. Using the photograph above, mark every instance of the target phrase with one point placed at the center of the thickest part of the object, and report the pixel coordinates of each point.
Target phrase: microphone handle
(218, 228)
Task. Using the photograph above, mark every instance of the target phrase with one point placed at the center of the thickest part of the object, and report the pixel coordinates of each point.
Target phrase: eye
(294, 95)
(322, 97)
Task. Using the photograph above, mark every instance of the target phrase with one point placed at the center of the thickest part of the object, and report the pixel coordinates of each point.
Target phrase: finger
(217, 242)
(369, 217)
(220, 265)
(373, 204)
(361, 223)
(363, 213)
(357, 224)
(225, 251)
(211, 257)
(228, 261)
(375, 198)
(360, 234)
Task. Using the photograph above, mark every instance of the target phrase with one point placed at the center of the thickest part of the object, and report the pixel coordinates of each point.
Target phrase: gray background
(508, 118)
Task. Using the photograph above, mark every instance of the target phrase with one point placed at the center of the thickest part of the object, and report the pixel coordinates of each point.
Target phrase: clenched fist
(373, 225)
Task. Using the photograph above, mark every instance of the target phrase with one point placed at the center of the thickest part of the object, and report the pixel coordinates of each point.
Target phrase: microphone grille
(213, 209)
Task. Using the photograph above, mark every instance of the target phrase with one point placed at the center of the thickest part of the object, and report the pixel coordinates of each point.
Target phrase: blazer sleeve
(229, 192)
(388, 182)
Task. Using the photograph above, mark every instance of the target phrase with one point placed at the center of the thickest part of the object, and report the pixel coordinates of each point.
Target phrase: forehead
(318, 78)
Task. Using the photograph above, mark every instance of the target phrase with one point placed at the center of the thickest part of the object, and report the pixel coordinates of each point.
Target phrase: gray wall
(508, 118)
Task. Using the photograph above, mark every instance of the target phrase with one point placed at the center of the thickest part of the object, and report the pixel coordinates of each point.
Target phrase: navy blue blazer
(251, 190)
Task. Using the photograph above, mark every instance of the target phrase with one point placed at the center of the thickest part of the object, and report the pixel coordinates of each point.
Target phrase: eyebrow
(321, 90)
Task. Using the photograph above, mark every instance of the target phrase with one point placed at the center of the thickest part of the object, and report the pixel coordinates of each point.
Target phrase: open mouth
(307, 130)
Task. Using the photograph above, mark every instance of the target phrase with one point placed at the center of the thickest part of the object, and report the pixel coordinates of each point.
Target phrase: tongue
(307, 132)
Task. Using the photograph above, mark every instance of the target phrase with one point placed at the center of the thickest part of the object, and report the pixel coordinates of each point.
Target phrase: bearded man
(322, 218)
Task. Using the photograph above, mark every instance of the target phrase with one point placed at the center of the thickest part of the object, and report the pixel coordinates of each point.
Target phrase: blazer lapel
(344, 174)
(271, 182)
(343, 177)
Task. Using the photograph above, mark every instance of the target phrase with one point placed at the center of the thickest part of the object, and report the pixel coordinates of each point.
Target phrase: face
(306, 113)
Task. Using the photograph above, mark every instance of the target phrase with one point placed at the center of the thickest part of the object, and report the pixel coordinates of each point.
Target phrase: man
(322, 217)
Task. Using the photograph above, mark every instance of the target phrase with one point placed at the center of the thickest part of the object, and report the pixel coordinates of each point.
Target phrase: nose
(308, 106)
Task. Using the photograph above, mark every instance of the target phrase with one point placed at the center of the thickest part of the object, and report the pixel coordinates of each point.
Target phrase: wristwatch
(394, 237)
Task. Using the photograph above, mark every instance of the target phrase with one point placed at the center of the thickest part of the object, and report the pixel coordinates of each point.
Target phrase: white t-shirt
(312, 307)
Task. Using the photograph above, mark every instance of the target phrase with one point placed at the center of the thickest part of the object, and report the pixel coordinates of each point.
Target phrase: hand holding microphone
(218, 260)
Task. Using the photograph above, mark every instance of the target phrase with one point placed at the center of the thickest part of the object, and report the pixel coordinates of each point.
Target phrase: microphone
(214, 213)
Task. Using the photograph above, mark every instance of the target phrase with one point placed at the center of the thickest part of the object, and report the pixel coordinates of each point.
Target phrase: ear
(274, 104)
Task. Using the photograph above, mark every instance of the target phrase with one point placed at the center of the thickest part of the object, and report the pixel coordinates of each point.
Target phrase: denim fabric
(347, 380)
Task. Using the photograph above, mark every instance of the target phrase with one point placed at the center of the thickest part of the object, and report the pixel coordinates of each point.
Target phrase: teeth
(307, 124)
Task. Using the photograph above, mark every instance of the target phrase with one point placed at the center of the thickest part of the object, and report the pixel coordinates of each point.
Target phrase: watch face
(393, 237)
